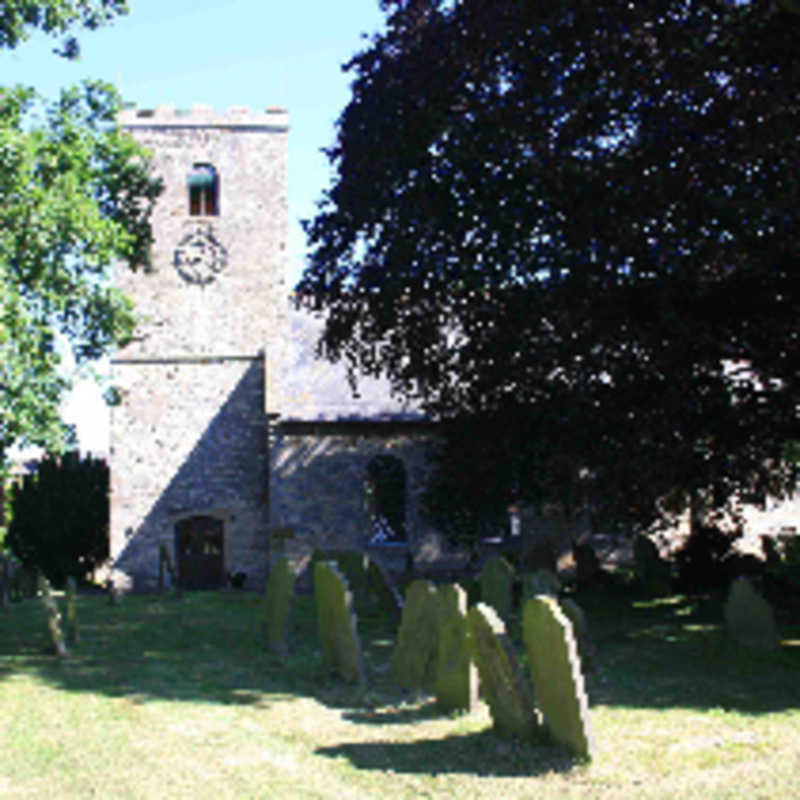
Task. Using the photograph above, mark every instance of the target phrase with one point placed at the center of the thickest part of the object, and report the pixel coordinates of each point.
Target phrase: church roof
(313, 389)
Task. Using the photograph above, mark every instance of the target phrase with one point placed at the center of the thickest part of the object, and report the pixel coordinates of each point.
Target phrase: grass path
(176, 699)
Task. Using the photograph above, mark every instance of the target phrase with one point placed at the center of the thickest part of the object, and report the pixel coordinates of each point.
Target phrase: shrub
(59, 519)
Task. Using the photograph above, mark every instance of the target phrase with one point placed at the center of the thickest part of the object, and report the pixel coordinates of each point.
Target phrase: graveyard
(329, 692)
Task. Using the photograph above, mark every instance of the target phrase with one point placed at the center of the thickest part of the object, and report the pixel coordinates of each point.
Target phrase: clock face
(199, 257)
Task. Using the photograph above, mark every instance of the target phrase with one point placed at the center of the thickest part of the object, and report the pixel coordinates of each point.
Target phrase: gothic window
(203, 184)
(385, 490)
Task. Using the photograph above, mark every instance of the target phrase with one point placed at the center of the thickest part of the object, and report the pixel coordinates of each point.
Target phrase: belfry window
(203, 184)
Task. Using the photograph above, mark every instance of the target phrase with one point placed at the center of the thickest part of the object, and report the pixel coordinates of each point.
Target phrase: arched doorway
(200, 553)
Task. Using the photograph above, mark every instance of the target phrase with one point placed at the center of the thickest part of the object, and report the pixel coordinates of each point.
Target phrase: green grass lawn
(168, 698)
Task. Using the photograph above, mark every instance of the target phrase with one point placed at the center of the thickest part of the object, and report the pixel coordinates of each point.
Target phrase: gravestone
(73, 635)
(336, 623)
(25, 582)
(53, 618)
(542, 581)
(5, 580)
(557, 677)
(749, 618)
(503, 684)
(276, 606)
(414, 657)
(652, 571)
(587, 565)
(456, 684)
(113, 592)
(386, 595)
(352, 564)
(574, 613)
(496, 578)
(165, 567)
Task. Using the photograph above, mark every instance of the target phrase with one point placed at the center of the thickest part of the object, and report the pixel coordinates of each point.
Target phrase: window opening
(385, 491)
(203, 184)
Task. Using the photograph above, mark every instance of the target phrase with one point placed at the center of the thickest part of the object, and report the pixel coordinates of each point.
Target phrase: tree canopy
(75, 197)
(571, 224)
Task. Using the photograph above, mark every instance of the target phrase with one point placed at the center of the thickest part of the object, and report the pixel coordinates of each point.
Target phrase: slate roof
(311, 389)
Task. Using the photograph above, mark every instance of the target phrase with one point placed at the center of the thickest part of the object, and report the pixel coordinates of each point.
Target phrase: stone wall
(317, 476)
(189, 436)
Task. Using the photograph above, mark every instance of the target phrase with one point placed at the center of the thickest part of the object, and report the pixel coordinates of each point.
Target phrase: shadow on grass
(481, 754)
(673, 652)
(397, 715)
(206, 648)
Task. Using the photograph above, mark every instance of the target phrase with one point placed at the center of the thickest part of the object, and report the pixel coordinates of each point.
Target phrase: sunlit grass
(172, 698)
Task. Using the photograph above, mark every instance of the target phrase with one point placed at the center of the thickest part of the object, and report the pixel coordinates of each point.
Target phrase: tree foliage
(576, 224)
(19, 17)
(59, 517)
(75, 197)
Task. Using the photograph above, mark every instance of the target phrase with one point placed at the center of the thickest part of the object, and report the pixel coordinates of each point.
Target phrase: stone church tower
(189, 460)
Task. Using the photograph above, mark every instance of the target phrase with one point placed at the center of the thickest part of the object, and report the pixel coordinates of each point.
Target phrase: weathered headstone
(26, 582)
(113, 592)
(166, 568)
(73, 634)
(53, 618)
(276, 606)
(542, 581)
(749, 618)
(580, 629)
(587, 565)
(496, 578)
(652, 571)
(503, 684)
(383, 590)
(414, 657)
(557, 677)
(456, 684)
(352, 564)
(5, 580)
(336, 623)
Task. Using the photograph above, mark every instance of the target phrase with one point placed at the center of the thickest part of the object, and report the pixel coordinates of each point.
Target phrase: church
(231, 441)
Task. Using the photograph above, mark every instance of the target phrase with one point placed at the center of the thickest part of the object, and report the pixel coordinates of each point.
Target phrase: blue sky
(220, 53)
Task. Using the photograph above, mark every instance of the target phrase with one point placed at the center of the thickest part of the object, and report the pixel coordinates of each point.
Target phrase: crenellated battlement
(203, 116)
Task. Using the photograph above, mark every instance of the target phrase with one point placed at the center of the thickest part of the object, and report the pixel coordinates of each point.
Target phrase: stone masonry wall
(317, 483)
(189, 436)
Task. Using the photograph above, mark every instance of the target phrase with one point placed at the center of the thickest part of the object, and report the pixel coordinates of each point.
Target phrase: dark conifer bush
(59, 519)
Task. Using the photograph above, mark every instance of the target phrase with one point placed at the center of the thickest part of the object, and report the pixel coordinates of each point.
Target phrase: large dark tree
(574, 226)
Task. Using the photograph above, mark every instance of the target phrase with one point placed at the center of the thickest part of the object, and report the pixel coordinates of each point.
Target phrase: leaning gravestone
(73, 635)
(456, 684)
(541, 581)
(652, 571)
(574, 613)
(414, 657)
(5, 576)
(556, 670)
(276, 606)
(336, 623)
(503, 684)
(748, 617)
(53, 618)
(496, 578)
(383, 589)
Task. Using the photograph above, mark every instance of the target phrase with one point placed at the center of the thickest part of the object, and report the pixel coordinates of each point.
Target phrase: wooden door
(198, 544)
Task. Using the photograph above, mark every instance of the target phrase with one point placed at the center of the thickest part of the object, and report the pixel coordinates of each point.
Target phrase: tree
(570, 230)
(75, 197)
(59, 517)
